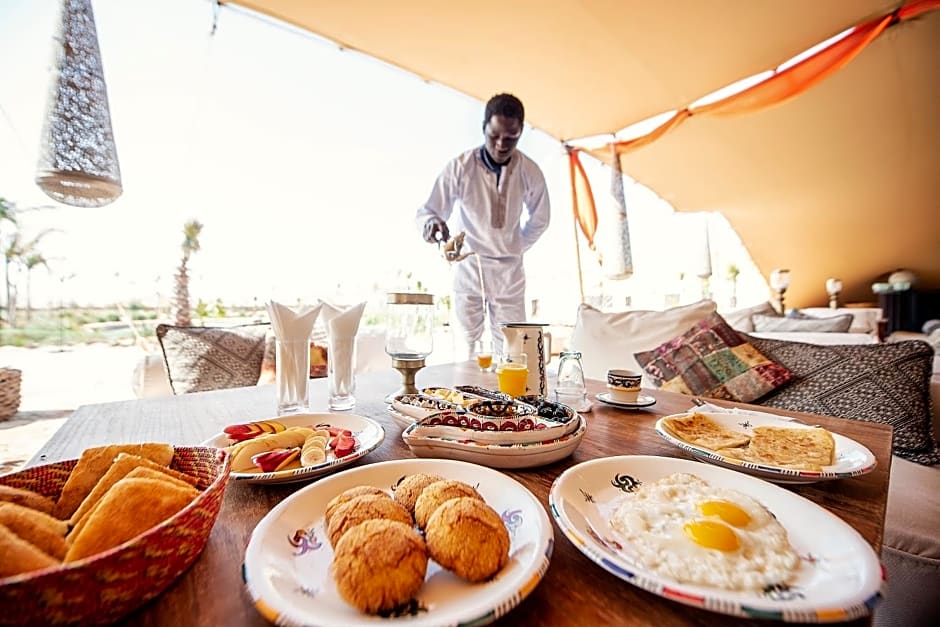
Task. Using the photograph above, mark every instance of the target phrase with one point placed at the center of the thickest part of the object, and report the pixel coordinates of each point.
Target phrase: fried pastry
(123, 464)
(20, 556)
(130, 507)
(379, 565)
(42, 530)
(465, 522)
(27, 498)
(94, 463)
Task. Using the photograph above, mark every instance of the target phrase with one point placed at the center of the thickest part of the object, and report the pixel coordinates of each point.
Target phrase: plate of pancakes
(296, 437)
(719, 540)
(389, 540)
(766, 445)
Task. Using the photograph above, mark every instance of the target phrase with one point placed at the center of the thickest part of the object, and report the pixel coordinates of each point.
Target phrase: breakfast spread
(683, 528)
(380, 557)
(799, 448)
(112, 494)
(269, 446)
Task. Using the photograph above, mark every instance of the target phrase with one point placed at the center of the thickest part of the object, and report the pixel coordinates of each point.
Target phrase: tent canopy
(843, 180)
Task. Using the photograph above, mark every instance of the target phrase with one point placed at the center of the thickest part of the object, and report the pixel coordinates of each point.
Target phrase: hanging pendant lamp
(78, 163)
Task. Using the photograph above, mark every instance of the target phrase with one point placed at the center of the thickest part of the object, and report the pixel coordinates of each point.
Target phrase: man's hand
(435, 230)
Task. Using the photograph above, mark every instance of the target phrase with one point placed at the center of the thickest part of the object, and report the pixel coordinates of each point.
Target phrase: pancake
(799, 449)
(701, 430)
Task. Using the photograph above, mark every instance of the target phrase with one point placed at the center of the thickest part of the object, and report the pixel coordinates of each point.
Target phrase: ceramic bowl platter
(513, 455)
(466, 426)
(288, 560)
(838, 576)
(643, 400)
(417, 406)
(368, 433)
(852, 459)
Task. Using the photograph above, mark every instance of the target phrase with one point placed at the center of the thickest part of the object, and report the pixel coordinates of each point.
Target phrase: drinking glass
(340, 373)
(292, 376)
(483, 351)
(512, 374)
(570, 388)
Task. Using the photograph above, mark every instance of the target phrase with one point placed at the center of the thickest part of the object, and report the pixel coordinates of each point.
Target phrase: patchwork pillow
(711, 359)
(212, 358)
(802, 323)
(886, 383)
(609, 340)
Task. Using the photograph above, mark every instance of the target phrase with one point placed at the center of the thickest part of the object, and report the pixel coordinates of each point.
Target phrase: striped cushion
(210, 358)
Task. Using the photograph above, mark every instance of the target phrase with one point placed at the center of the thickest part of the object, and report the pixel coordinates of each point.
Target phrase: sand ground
(56, 381)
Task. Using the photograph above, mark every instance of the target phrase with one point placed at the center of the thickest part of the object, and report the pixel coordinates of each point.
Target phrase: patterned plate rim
(533, 447)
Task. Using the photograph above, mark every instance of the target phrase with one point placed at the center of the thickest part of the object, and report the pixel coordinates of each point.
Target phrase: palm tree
(8, 212)
(191, 231)
(31, 261)
(25, 253)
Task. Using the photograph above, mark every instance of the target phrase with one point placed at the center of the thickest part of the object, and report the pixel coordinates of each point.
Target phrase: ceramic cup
(623, 378)
(622, 394)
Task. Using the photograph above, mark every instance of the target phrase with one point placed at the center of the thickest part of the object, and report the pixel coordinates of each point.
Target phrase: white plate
(369, 434)
(852, 459)
(642, 400)
(287, 562)
(839, 578)
(527, 455)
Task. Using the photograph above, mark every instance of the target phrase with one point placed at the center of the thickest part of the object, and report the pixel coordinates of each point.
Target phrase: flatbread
(42, 530)
(799, 449)
(94, 463)
(131, 507)
(27, 498)
(701, 430)
(122, 464)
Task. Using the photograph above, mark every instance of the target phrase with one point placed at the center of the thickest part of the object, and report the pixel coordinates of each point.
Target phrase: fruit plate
(288, 560)
(852, 459)
(516, 455)
(838, 578)
(368, 433)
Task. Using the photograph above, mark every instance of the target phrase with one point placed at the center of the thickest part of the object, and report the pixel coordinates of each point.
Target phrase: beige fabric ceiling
(841, 181)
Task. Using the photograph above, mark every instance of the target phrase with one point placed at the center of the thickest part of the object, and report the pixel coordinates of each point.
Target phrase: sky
(304, 162)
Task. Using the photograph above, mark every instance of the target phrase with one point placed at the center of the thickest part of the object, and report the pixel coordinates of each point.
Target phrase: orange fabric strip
(582, 197)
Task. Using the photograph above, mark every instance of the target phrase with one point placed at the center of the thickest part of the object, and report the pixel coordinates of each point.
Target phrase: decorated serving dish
(467, 426)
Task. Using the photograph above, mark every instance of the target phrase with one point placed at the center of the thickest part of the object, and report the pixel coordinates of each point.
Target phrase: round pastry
(361, 509)
(438, 492)
(348, 495)
(379, 565)
(408, 490)
(462, 523)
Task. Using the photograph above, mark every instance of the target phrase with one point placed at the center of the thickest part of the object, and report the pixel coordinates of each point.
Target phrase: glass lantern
(409, 335)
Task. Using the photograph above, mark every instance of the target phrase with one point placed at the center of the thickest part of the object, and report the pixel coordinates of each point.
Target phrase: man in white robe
(497, 196)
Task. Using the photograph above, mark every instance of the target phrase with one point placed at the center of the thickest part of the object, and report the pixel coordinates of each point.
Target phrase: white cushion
(609, 340)
(818, 337)
(740, 319)
(864, 319)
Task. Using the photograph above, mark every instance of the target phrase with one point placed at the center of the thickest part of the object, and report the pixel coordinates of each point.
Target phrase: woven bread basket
(103, 588)
(9, 392)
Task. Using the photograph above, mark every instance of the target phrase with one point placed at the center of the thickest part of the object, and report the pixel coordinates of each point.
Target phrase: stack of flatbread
(113, 494)
(806, 448)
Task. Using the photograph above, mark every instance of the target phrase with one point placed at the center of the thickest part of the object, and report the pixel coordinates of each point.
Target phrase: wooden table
(575, 591)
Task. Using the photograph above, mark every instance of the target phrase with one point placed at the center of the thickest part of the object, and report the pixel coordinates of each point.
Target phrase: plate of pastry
(297, 447)
(387, 541)
(766, 445)
(720, 540)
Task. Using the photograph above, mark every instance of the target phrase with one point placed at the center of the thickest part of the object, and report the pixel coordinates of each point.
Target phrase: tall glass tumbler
(340, 372)
(292, 376)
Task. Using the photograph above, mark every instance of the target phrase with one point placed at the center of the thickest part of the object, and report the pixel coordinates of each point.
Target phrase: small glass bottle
(570, 388)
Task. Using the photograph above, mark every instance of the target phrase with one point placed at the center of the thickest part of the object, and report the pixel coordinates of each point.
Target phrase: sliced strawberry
(334, 431)
(344, 445)
(276, 459)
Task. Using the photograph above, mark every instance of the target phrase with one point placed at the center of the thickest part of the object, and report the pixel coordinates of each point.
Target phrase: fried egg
(687, 530)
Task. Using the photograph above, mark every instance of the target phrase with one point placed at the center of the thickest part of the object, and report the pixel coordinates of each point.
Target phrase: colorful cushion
(609, 340)
(803, 323)
(711, 359)
(212, 358)
(886, 383)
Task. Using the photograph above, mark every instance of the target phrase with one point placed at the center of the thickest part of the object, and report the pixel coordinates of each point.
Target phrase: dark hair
(506, 105)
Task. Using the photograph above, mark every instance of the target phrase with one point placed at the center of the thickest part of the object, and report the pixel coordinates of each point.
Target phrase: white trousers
(503, 289)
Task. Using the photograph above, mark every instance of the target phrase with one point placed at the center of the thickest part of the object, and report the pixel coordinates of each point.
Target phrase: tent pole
(577, 254)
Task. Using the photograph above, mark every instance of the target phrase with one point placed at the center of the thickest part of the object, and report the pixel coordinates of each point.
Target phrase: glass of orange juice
(511, 374)
(483, 351)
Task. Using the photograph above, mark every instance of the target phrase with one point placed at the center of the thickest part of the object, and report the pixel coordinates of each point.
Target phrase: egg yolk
(711, 535)
(728, 512)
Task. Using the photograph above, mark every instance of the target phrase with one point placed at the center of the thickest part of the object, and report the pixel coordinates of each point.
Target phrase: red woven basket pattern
(105, 587)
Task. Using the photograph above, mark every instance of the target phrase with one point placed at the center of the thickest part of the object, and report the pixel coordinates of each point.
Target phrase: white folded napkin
(293, 329)
(341, 328)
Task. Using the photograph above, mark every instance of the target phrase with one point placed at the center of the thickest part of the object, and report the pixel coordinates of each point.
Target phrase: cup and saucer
(623, 390)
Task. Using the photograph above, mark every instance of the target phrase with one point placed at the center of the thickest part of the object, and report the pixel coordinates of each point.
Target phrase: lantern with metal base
(409, 336)
(779, 282)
